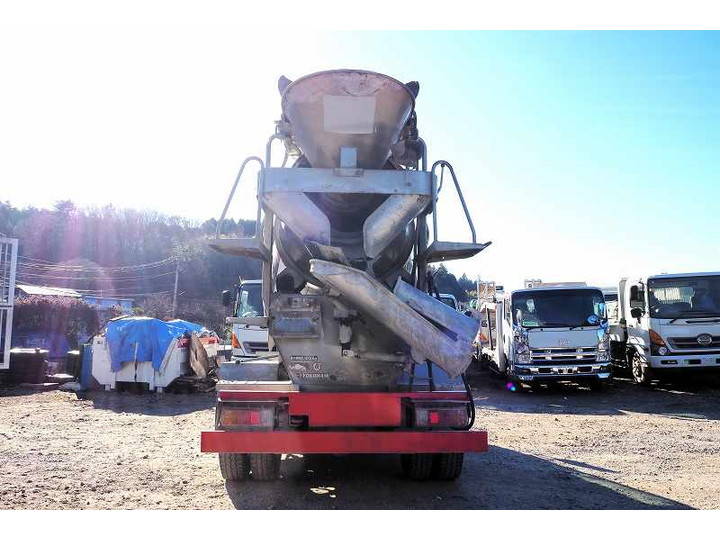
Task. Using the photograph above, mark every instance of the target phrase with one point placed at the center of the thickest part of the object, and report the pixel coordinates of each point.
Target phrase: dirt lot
(628, 447)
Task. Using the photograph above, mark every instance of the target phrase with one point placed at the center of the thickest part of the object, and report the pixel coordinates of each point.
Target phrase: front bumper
(534, 372)
(344, 442)
(688, 361)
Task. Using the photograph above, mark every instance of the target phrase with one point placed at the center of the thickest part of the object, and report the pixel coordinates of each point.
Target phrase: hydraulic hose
(471, 405)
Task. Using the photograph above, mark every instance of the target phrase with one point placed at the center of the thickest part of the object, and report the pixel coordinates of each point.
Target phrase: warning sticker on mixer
(307, 367)
(304, 358)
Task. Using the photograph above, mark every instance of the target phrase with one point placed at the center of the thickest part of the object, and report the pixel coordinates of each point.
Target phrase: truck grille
(692, 343)
(255, 346)
(564, 356)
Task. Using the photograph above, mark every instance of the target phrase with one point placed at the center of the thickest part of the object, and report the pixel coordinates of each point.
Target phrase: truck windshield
(249, 300)
(557, 309)
(689, 297)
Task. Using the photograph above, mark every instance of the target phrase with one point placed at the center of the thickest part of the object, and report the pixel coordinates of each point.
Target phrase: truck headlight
(657, 344)
(522, 349)
(603, 347)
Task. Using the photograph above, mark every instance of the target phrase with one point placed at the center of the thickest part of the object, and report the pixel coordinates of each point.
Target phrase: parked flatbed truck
(545, 333)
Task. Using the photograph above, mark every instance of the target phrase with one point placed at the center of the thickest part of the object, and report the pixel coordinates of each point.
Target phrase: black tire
(494, 373)
(265, 467)
(624, 366)
(417, 466)
(535, 386)
(619, 369)
(641, 374)
(519, 387)
(447, 466)
(234, 466)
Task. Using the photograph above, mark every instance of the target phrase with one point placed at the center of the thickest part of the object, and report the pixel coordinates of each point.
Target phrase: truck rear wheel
(417, 466)
(265, 467)
(447, 466)
(234, 466)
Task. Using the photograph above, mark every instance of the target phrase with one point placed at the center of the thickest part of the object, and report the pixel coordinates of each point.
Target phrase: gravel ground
(627, 447)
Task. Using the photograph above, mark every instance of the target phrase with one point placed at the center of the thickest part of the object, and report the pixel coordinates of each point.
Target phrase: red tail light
(441, 415)
(237, 417)
(234, 341)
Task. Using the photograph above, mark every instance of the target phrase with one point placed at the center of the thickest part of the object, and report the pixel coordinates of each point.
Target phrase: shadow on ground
(691, 398)
(149, 403)
(500, 479)
(16, 390)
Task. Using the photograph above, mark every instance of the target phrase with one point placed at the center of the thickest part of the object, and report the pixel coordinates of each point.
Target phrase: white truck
(611, 302)
(247, 339)
(666, 324)
(545, 333)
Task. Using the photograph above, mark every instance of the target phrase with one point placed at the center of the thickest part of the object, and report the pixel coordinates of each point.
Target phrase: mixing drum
(345, 265)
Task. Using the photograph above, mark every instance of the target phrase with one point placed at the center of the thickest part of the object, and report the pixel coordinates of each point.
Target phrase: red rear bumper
(344, 442)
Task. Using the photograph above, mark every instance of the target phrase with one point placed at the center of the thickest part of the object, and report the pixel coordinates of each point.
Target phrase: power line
(25, 273)
(43, 261)
(97, 266)
(97, 269)
(40, 264)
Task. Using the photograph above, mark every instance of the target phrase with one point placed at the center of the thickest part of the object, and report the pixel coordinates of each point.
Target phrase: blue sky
(582, 155)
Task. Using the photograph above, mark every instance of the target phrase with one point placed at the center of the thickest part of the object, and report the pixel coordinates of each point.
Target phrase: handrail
(423, 156)
(232, 194)
(442, 163)
(268, 149)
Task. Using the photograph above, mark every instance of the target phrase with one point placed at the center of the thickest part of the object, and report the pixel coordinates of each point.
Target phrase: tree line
(68, 246)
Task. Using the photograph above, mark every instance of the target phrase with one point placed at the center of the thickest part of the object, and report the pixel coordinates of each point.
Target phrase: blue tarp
(153, 337)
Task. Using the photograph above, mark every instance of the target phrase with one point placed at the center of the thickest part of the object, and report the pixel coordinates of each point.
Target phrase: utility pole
(177, 272)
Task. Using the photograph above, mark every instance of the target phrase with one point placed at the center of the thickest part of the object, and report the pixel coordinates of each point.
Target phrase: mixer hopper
(347, 108)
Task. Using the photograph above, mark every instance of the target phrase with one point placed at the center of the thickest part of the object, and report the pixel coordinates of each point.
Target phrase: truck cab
(548, 333)
(667, 323)
(247, 340)
(611, 303)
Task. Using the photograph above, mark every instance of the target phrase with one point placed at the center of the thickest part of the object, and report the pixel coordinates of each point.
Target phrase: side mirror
(226, 298)
(636, 312)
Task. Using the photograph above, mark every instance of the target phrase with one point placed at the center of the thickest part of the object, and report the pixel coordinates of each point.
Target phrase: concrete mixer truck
(365, 361)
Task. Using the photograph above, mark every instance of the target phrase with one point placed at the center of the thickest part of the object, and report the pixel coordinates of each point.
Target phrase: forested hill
(132, 253)
(119, 252)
